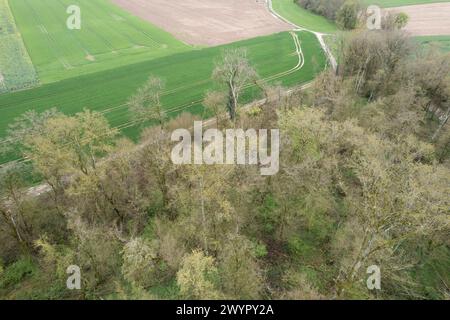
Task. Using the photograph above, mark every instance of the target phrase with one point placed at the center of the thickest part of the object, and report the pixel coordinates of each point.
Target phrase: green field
(442, 42)
(16, 70)
(398, 3)
(187, 76)
(109, 37)
(302, 17)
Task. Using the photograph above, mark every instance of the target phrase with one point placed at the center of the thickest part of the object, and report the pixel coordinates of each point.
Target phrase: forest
(363, 180)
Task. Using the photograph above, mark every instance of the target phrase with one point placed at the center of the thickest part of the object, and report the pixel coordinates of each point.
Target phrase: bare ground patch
(207, 22)
(427, 19)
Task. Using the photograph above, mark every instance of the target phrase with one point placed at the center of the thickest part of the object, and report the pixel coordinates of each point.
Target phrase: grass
(442, 42)
(16, 272)
(399, 3)
(109, 37)
(187, 76)
(16, 70)
(302, 17)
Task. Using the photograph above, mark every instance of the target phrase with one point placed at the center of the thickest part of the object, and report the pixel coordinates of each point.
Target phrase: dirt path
(325, 48)
(207, 22)
(427, 19)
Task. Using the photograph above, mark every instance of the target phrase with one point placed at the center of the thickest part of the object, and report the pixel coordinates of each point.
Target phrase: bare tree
(234, 72)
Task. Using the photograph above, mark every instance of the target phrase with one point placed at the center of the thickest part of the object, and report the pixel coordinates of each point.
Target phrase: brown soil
(207, 22)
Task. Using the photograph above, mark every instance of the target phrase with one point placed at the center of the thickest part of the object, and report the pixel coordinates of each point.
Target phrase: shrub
(326, 8)
(347, 16)
(16, 272)
(198, 277)
(141, 265)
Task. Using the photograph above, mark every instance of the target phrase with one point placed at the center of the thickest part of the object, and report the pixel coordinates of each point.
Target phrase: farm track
(319, 35)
